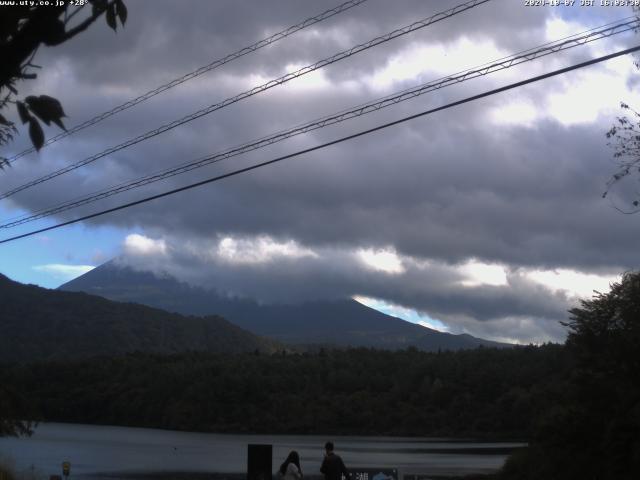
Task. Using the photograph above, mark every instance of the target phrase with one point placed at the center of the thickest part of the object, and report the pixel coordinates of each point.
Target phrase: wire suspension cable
(328, 144)
(196, 73)
(266, 86)
(485, 69)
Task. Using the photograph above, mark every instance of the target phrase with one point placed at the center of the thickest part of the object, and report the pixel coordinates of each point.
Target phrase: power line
(506, 62)
(196, 73)
(574, 40)
(328, 144)
(266, 86)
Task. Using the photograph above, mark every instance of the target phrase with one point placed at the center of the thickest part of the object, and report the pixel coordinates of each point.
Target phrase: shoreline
(386, 436)
(243, 476)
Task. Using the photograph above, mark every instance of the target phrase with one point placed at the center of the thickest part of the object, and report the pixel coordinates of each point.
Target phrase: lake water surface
(103, 450)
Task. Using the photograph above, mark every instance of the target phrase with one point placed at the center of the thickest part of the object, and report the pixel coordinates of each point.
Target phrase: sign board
(66, 468)
(259, 460)
(373, 474)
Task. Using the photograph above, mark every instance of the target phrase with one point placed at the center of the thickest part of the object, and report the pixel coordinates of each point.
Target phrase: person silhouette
(290, 468)
(333, 467)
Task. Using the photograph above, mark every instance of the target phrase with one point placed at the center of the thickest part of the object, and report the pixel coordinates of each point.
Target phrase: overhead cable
(622, 26)
(196, 73)
(328, 144)
(259, 89)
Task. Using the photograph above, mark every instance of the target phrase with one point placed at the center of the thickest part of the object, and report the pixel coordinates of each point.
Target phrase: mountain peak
(338, 322)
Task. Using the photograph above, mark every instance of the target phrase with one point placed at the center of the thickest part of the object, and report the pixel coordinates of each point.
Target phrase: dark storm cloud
(448, 187)
(207, 30)
(501, 197)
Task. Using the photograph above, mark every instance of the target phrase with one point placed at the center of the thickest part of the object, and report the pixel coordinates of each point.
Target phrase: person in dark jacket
(332, 466)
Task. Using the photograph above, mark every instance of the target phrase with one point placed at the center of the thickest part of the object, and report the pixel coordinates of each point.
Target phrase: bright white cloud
(478, 273)
(136, 244)
(63, 272)
(575, 283)
(259, 250)
(519, 112)
(557, 28)
(384, 260)
(581, 97)
(418, 60)
(584, 97)
(313, 80)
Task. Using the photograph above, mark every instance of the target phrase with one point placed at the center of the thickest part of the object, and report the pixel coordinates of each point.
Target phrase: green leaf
(36, 134)
(121, 10)
(111, 17)
(54, 106)
(59, 123)
(38, 109)
(25, 116)
(47, 109)
(4, 121)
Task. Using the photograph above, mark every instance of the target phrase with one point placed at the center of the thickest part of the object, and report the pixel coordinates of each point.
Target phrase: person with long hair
(290, 468)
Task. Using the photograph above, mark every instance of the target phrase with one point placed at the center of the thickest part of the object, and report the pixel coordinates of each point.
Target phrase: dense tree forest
(592, 430)
(481, 393)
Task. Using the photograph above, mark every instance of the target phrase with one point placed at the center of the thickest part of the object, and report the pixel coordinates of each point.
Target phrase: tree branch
(82, 26)
(73, 14)
(624, 212)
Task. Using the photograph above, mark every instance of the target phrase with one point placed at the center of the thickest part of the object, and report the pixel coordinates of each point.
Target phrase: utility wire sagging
(254, 91)
(325, 145)
(605, 31)
(196, 73)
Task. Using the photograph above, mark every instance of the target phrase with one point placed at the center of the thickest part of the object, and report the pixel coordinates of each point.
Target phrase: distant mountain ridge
(41, 324)
(326, 322)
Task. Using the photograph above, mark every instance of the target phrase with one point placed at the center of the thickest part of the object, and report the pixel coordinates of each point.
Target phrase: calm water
(94, 450)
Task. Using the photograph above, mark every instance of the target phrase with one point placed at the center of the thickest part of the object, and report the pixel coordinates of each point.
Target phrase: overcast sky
(485, 218)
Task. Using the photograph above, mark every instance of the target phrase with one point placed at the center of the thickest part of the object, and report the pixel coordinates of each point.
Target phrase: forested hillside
(484, 392)
(40, 324)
